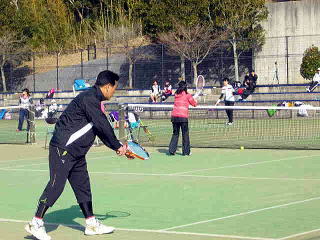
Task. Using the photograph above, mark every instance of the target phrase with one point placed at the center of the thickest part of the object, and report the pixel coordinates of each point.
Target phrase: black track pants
(63, 166)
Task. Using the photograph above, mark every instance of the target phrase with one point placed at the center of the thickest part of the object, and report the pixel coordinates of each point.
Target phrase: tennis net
(253, 127)
(8, 126)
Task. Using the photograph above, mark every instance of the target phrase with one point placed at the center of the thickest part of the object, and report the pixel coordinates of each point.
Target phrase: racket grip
(129, 155)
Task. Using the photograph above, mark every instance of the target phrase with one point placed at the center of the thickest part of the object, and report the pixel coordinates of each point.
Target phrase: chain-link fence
(278, 62)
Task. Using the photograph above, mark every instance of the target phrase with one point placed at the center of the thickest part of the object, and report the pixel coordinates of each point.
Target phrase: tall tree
(130, 42)
(242, 19)
(11, 51)
(158, 16)
(192, 42)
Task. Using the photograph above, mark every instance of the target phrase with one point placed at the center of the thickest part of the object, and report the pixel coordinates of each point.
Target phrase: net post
(31, 136)
(122, 109)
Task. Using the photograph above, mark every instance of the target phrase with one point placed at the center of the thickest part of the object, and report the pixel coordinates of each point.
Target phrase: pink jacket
(181, 105)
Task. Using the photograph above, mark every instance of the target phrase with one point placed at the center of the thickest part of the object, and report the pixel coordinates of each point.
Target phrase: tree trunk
(4, 86)
(235, 58)
(195, 72)
(130, 75)
(183, 68)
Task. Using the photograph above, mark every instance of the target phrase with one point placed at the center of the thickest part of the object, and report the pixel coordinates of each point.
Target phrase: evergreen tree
(310, 62)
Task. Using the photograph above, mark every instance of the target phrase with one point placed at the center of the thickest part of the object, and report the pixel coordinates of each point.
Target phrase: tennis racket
(200, 83)
(134, 150)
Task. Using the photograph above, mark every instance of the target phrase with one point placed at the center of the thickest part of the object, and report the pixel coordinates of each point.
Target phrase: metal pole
(57, 70)
(162, 56)
(287, 58)
(88, 49)
(31, 136)
(107, 58)
(34, 71)
(81, 52)
(122, 136)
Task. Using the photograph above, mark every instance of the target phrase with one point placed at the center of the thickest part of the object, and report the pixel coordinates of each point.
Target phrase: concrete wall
(291, 28)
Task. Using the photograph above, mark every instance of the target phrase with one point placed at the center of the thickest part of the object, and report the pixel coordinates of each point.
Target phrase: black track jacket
(81, 122)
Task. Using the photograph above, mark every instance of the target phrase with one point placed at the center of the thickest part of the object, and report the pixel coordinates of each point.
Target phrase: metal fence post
(34, 71)
(57, 70)
(81, 52)
(31, 135)
(287, 57)
(122, 109)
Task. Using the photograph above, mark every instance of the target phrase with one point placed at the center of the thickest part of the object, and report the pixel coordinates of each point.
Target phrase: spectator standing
(179, 119)
(315, 81)
(227, 94)
(155, 91)
(25, 101)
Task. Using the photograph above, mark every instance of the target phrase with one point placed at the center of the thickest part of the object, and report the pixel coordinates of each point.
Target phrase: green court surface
(213, 194)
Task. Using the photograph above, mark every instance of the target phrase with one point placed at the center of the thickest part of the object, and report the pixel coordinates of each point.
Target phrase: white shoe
(229, 123)
(308, 89)
(36, 228)
(95, 227)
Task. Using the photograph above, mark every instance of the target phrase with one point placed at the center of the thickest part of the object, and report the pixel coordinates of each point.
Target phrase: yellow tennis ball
(242, 148)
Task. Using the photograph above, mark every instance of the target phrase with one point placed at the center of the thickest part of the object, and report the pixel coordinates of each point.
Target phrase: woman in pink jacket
(179, 119)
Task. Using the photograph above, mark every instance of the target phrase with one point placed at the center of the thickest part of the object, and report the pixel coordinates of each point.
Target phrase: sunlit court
(216, 193)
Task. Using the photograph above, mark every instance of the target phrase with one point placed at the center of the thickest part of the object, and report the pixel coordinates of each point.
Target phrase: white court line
(170, 175)
(242, 214)
(47, 163)
(300, 234)
(36, 158)
(23, 159)
(246, 164)
(147, 230)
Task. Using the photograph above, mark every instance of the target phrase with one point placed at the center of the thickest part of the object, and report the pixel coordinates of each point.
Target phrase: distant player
(227, 94)
(74, 134)
(179, 119)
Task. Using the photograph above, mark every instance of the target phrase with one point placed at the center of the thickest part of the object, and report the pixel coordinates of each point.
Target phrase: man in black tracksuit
(74, 134)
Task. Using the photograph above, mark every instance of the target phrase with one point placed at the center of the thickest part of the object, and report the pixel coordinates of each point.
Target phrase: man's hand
(122, 150)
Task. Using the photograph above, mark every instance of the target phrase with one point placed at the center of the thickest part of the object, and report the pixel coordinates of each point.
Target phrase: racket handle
(196, 95)
(129, 156)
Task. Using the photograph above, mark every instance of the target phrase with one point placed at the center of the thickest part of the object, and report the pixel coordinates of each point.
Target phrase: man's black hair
(107, 77)
(226, 79)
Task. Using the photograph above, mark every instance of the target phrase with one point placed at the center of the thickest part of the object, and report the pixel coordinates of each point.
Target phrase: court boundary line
(47, 163)
(243, 213)
(247, 164)
(229, 237)
(303, 235)
(170, 175)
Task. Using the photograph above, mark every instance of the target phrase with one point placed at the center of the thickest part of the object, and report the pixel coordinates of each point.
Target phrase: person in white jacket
(315, 81)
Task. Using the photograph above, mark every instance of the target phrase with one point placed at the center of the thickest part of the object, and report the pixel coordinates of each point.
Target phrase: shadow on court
(165, 151)
(68, 216)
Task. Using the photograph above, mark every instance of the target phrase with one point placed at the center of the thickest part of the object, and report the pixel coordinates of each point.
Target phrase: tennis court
(213, 194)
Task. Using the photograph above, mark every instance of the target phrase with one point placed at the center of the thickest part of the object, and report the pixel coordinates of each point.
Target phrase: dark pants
(63, 166)
(23, 114)
(313, 86)
(229, 111)
(175, 137)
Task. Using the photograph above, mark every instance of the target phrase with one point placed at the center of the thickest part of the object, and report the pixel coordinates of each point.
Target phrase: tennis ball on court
(242, 148)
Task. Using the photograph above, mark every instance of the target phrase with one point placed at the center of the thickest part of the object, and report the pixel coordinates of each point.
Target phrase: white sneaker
(37, 229)
(229, 123)
(95, 227)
